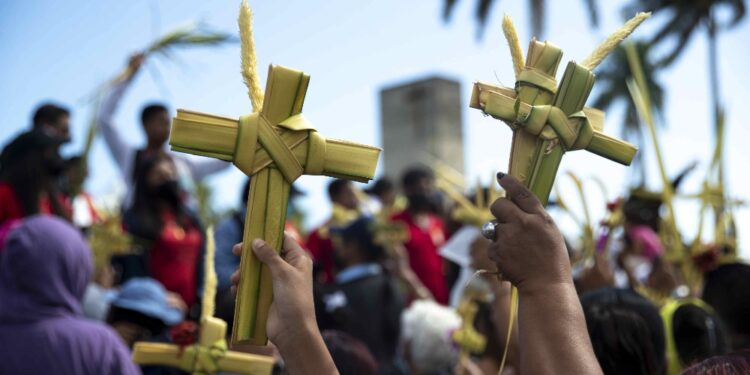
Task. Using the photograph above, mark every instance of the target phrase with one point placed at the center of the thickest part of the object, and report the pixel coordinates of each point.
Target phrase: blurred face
(52, 160)
(157, 128)
(348, 198)
(62, 127)
(422, 196)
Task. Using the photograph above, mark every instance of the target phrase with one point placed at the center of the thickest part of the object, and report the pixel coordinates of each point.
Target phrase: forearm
(306, 353)
(553, 336)
(414, 286)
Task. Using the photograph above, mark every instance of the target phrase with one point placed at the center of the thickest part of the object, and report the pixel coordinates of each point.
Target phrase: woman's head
(156, 189)
(426, 339)
(350, 355)
(626, 331)
(726, 290)
(44, 270)
(356, 243)
(156, 182)
(31, 163)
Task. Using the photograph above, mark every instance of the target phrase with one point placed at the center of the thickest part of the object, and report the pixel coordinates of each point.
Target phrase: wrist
(545, 288)
(293, 338)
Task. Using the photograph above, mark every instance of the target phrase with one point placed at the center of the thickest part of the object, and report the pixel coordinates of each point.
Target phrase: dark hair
(362, 232)
(151, 110)
(24, 168)
(626, 331)
(154, 326)
(350, 355)
(336, 187)
(381, 186)
(413, 175)
(143, 218)
(697, 334)
(48, 113)
(726, 290)
(737, 363)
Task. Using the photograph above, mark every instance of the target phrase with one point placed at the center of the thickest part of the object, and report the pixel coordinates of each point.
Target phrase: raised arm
(120, 150)
(291, 320)
(530, 253)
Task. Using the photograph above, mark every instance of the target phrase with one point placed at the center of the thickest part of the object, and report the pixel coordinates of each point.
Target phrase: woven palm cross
(548, 118)
(275, 145)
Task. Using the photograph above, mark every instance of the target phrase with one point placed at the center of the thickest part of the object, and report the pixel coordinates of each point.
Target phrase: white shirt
(188, 169)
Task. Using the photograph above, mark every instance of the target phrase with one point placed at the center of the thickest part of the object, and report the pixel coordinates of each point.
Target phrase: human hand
(528, 249)
(292, 313)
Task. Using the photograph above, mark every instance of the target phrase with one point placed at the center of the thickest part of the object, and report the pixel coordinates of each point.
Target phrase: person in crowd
(385, 193)
(350, 355)
(528, 250)
(345, 209)
(84, 212)
(44, 271)
(30, 167)
(693, 332)
(426, 343)
(168, 233)
(54, 120)
(156, 125)
(366, 301)
(142, 310)
(626, 331)
(726, 290)
(426, 231)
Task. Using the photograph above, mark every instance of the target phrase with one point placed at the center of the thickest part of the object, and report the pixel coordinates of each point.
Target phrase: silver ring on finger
(489, 230)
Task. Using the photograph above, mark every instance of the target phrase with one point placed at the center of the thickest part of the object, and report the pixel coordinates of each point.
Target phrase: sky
(61, 51)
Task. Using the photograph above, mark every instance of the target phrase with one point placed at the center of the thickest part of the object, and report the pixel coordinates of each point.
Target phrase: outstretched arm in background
(529, 251)
(122, 152)
(291, 319)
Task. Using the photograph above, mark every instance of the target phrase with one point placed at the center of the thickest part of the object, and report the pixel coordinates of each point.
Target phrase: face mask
(54, 166)
(168, 191)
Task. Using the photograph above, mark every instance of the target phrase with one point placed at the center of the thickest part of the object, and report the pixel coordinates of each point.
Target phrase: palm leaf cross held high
(548, 118)
(275, 144)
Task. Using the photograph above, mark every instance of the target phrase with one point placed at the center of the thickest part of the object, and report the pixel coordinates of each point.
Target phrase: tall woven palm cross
(548, 118)
(275, 146)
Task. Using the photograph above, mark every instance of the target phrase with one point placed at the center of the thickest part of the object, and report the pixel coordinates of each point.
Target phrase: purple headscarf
(44, 270)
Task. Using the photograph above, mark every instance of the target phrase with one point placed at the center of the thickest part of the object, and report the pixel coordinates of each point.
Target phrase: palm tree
(537, 10)
(612, 90)
(687, 17)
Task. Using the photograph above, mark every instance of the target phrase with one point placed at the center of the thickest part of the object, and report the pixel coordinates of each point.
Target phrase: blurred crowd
(394, 278)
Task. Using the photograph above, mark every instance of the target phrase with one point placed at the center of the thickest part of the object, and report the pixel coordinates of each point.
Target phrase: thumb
(268, 256)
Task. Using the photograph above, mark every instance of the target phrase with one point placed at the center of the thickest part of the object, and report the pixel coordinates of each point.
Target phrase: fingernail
(258, 243)
(500, 175)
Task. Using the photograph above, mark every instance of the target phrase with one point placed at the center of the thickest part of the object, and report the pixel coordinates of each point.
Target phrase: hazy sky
(62, 50)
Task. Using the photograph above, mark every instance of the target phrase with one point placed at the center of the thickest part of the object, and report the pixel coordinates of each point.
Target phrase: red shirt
(175, 256)
(321, 249)
(423, 247)
(10, 206)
